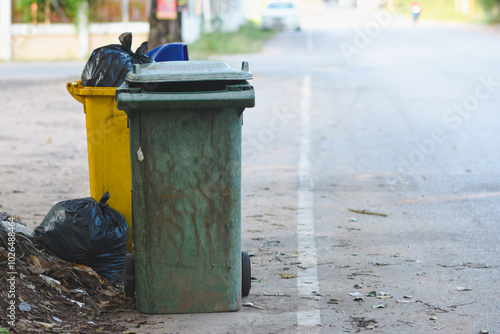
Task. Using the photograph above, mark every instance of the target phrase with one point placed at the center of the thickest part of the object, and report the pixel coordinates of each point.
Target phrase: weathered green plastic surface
(186, 210)
(186, 198)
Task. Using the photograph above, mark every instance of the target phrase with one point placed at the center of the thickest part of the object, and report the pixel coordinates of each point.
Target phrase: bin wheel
(129, 275)
(246, 274)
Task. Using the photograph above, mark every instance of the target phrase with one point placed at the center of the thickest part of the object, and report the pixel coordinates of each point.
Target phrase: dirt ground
(43, 148)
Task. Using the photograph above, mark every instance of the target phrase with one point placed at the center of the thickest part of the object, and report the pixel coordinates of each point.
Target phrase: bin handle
(74, 90)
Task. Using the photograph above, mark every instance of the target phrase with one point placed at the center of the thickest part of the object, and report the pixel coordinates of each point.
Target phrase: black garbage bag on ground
(108, 65)
(87, 232)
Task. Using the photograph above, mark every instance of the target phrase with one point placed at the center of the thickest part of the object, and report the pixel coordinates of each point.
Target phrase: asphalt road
(372, 112)
(364, 112)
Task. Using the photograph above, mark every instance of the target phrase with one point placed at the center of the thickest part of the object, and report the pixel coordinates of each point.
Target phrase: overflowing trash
(87, 232)
(108, 65)
(41, 292)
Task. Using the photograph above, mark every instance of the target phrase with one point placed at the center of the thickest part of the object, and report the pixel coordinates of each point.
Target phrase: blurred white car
(283, 15)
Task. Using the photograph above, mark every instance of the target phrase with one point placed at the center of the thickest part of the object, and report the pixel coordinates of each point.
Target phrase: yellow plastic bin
(108, 148)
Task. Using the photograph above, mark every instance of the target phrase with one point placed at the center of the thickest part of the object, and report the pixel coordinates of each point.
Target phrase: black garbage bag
(108, 65)
(87, 232)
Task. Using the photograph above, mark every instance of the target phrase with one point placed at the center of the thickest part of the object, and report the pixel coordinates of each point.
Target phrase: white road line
(308, 313)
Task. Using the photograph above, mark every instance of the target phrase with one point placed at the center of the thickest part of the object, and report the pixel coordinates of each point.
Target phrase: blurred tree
(492, 8)
(43, 10)
(163, 31)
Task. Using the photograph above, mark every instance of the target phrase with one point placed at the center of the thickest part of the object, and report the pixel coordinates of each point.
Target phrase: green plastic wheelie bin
(185, 122)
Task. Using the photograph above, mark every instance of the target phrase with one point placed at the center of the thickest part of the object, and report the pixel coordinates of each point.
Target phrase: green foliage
(248, 39)
(69, 7)
(489, 5)
(492, 8)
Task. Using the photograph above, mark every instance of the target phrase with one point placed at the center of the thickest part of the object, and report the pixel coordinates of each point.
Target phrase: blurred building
(59, 33)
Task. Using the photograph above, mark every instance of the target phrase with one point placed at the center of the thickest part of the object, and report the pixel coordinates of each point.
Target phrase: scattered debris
(362, 322)
(275, 294)
(458, 305)
(24, 307)
(380, 306)
(265, 247)
(356, 296)
(461, 288)
(342, 245)
(371, 294)
(250, 304)
(334, 301)
(55, 295)
(366, 212)
(383, 295)
(358, 286)
(407, 300)
(467, 265)
(287, 275)
(382, 263)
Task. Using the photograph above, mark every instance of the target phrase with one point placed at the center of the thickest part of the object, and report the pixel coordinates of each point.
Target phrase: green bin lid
(175, 71)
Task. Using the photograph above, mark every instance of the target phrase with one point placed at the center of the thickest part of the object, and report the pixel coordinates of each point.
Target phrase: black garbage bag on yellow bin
(108, 65)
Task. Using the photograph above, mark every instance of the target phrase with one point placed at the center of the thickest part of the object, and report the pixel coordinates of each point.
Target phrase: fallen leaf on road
(333, 301)
(356, 296)
(287, 275)
(383, 263)
(461, 288)
(372, 294)
(366, 212)
(383, 295)
(275, 294)
(407, 301)
(380, 306)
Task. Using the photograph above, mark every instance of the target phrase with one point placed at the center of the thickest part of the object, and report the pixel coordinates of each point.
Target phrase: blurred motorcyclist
(415, 11)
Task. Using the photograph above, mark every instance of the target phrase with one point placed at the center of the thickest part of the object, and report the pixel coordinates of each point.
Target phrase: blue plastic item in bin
(169, 52)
